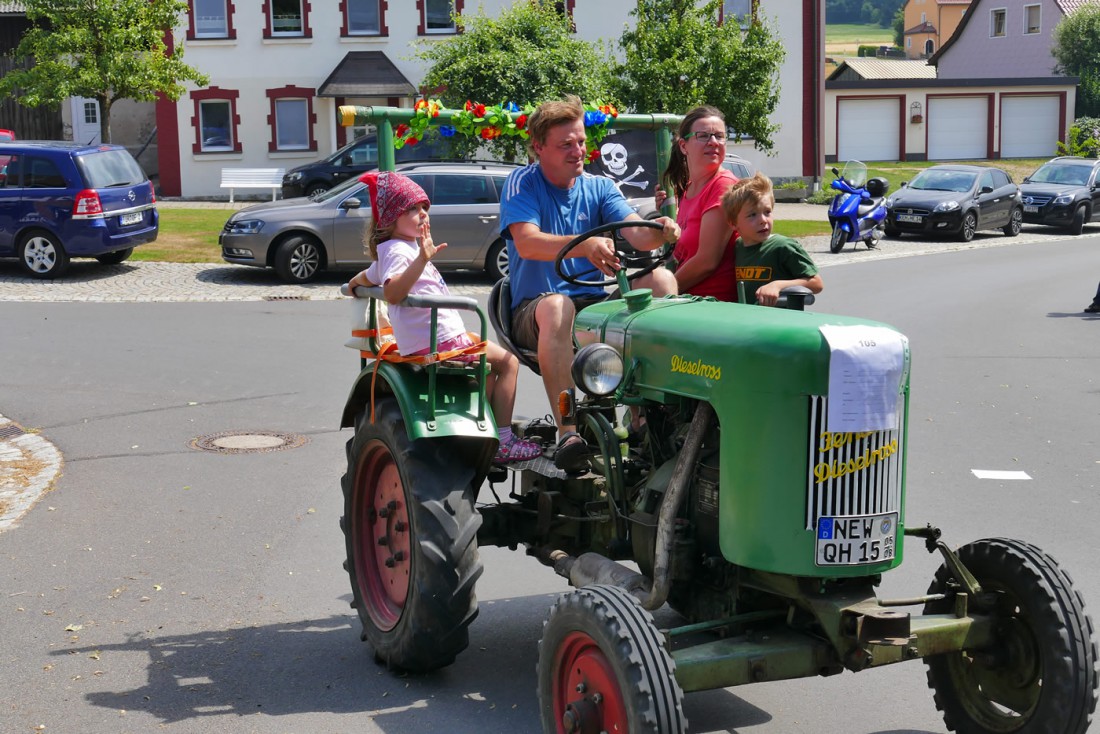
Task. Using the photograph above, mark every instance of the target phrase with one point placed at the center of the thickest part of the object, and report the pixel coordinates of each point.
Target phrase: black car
(955, 200)
(355, 158)
(1064, 192)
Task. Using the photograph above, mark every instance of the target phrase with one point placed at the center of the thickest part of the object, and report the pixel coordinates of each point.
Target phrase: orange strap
(388, 353)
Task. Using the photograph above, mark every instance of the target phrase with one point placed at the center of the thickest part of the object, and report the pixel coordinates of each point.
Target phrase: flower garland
(502, 120)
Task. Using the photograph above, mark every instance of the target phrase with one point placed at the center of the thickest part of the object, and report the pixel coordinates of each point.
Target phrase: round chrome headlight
(598, 370)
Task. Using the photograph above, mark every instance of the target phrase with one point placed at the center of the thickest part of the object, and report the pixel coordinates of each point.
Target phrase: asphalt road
(162, 588)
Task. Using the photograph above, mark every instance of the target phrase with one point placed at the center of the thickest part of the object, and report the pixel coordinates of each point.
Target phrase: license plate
(856, 540)
(131, 218)
(914, 218)
(1031, 209)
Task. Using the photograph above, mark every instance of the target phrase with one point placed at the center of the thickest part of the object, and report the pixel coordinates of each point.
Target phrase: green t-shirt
(776, 258)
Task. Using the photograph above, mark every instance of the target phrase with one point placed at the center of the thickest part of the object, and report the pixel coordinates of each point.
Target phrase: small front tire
(603, 667)
(1015, 222)
(42, 255)
(1040, 676)
(299, 259)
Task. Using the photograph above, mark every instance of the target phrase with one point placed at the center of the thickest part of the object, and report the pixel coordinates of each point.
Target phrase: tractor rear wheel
(836, 242)
(603, 668)
(410, 530)
(1041, 675)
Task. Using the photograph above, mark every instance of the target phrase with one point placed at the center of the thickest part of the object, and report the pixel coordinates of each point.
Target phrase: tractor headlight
(598, 370)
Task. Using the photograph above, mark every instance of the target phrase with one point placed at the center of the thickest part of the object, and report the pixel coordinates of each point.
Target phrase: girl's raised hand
(428, 248)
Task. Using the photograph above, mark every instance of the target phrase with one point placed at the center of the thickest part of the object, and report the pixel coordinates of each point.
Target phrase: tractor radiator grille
(851, 473)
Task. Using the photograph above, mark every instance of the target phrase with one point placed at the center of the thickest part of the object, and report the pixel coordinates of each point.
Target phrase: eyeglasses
(705, 137)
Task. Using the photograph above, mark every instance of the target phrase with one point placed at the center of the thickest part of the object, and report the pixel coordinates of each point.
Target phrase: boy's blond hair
(550, 114)
(746, 192)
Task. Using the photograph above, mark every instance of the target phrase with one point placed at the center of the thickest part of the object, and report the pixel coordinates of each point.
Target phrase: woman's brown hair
(676, 175)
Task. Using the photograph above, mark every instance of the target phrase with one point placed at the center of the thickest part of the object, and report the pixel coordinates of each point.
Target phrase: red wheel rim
(586, 690)
(382, 555)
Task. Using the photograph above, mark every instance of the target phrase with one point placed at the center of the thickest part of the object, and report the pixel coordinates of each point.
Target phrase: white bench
(252, 178)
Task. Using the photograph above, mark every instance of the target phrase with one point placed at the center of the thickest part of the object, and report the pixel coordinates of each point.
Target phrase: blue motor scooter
(858, 211)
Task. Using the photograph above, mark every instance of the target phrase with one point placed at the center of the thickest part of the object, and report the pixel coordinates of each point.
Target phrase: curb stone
(29, 464)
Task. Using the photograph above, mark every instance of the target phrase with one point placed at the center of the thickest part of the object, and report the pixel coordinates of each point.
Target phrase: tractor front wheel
(1041, 675)
(603, 668)
(410, 531)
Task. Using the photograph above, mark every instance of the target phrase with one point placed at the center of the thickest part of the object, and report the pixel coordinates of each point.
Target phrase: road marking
(995, 474)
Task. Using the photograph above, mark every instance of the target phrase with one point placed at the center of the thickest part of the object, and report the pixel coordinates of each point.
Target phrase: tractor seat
(500, 316)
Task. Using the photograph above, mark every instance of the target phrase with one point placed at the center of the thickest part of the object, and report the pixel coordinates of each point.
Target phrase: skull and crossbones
(614, 157)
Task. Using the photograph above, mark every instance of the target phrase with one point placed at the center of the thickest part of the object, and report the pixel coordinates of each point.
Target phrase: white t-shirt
(412, 326)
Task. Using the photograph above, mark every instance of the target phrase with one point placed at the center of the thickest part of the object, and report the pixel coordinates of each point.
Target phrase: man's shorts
(525, 330)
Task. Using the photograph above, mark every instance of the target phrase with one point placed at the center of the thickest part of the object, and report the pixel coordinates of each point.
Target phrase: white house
(280, 68)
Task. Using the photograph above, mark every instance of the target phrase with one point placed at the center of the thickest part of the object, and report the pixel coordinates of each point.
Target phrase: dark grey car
(956, 200)
(301, 237)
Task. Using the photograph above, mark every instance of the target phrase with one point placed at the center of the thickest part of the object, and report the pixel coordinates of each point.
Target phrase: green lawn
(853, 33)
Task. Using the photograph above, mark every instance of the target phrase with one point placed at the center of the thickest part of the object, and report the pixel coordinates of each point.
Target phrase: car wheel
(316, 188)
(892, 231)
(42, 256)
(114, 258)
(969, 226)
(496, 262)
(1014, 223)
(298, 259)
(1080, 216)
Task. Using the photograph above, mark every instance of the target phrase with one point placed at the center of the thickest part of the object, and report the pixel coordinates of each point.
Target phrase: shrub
(1084, 138)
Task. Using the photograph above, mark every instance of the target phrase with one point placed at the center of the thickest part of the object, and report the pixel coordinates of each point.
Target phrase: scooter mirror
(836, 172)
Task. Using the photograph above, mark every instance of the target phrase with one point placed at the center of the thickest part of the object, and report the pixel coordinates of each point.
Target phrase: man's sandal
(572, 453)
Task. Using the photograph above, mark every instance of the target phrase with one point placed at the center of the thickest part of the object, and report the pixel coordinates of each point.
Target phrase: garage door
(1029, 126)
(958, 128)
(868, 129)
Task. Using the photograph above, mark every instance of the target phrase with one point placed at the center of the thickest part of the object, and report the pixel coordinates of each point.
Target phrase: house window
(909, 42)
(287, 18)
(291, 119)
(364, 17)
(924, 17)
(929, 47)
(91, 113)
(215, 121)
(739, 11)
(997, 23)
(1032, 19)
(210, 19)
(436, 15)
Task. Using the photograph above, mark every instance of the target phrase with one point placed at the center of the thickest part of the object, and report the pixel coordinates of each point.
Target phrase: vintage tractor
(762, 502)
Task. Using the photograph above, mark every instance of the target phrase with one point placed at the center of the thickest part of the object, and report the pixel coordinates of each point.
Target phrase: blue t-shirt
(529, 197)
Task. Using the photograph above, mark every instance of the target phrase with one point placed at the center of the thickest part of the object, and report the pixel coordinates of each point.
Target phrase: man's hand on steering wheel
(600, 251)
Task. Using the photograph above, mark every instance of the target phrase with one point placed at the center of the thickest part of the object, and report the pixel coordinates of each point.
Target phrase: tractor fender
(456, 411)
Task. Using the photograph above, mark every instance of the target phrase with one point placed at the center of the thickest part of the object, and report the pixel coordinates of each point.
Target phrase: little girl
(400, 242)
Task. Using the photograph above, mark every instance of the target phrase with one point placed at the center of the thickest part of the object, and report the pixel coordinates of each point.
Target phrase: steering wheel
(627, 257)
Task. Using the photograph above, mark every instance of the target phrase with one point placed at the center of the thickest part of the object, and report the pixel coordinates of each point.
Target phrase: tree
(525, 55)
(899, 27)
(105, 50)
(1076, 47)
(677, 57)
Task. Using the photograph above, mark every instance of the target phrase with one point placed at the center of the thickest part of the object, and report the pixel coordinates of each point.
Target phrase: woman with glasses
(704, 252)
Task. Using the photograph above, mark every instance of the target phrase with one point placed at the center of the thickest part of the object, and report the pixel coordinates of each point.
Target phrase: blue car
(64, 200)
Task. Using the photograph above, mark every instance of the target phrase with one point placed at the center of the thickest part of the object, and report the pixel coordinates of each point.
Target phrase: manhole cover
(247, 442)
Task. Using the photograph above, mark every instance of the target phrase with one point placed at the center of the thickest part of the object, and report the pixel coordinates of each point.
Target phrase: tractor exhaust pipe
(592, 568)
(670, 505)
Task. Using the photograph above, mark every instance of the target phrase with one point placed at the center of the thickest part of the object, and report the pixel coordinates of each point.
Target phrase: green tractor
(762, 503)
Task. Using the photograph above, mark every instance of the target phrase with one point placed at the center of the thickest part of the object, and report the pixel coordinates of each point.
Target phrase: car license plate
(914, 218)
(856, 540)
(131, 218)
(1030, 209)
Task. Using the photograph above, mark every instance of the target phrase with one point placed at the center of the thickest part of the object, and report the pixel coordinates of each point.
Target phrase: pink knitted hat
(391, 195)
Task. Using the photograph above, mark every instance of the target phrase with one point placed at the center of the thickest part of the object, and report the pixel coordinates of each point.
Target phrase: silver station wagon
(301, 237)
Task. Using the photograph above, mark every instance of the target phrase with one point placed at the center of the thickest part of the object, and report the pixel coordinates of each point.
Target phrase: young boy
(766, 263)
